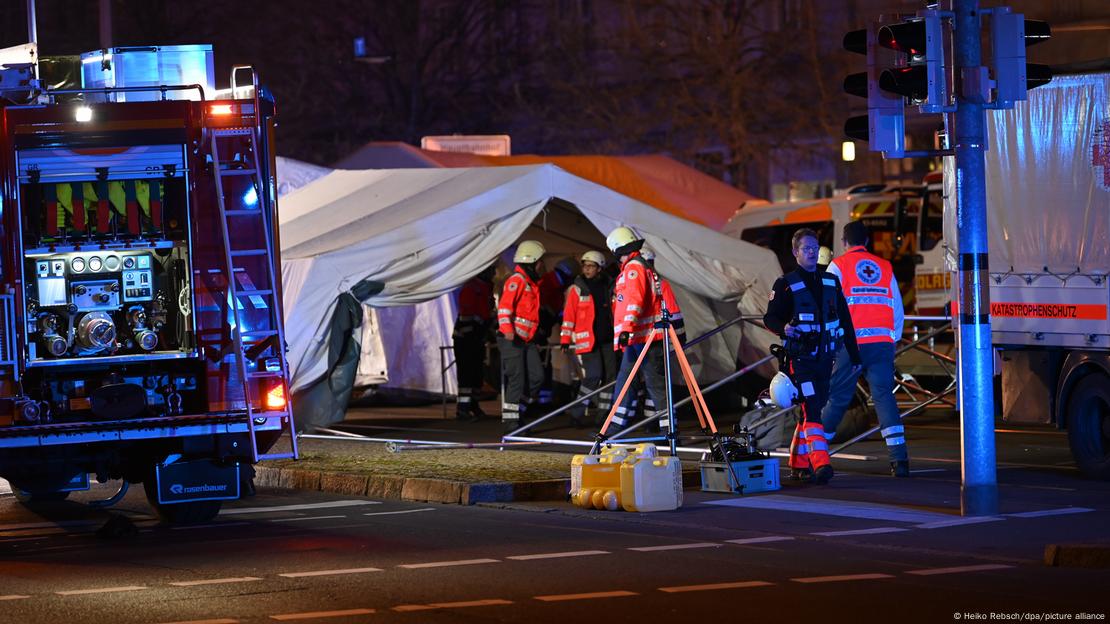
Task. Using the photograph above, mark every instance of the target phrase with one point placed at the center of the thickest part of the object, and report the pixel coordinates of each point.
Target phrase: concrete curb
(417, 489)
(1077, 555)
(423, 489)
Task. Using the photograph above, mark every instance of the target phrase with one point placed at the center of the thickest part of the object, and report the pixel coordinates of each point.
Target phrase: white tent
(423, 232)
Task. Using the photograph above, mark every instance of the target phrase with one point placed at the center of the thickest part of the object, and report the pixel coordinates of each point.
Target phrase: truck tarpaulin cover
(1033, 173)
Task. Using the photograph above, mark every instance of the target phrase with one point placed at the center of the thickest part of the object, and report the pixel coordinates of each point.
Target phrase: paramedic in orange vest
(876, 308)
(518, 317)
(471, 327)
(639, 396)
(808, 310)
(588, 328)
(637, 305)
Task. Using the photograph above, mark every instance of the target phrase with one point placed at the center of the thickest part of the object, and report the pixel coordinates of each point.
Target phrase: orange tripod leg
(627, 383)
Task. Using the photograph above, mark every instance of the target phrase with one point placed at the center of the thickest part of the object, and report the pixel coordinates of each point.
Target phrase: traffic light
(920, 75)
(884, 126)
(1011, 33)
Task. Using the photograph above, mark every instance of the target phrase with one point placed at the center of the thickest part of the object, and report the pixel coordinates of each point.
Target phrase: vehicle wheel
(1088, 421)
(181, 513)
(33, 497)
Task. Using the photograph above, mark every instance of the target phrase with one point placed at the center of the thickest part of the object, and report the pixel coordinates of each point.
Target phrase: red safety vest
(474, 301)
(636, 306)
(866, 280)
(578, 320)
(518, 311)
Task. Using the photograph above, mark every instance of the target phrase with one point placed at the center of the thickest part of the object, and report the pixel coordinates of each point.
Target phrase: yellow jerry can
(595, 480)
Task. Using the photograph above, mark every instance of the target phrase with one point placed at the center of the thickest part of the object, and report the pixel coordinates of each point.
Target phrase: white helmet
(528, 251)
(620, 237)
(594, 256)
(782, 390)
(824, 256)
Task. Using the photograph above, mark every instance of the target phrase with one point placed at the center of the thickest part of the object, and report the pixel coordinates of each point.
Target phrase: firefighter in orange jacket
(637, 305)
(518, 317)
(808, 310)
(640, 396)
(471, 327)
(875, 304)
(588, 327)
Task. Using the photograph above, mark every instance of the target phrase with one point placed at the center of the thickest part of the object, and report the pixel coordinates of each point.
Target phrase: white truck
(1048, 207)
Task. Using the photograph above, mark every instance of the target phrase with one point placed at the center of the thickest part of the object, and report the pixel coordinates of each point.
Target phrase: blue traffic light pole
(979, 490)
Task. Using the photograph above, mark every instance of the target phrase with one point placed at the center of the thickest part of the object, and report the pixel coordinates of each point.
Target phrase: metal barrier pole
(705, 390)
(701, 338)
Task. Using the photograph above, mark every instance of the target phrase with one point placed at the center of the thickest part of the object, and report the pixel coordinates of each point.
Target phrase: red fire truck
(140, 312)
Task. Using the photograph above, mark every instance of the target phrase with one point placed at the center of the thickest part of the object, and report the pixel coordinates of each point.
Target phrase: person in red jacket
(588, 328)
(637, 305)
(518, 318)
(471, 326)
(639, 396)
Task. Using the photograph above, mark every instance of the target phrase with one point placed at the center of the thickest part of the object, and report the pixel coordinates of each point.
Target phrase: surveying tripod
(665, 328)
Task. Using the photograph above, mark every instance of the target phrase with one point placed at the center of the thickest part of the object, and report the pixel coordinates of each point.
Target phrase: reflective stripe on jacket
(872, 294)
(636, 305)
(518, 311)
(578, 320)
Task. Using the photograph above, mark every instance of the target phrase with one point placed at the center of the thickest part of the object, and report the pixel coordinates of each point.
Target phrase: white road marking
(958, 522)
(1050, 512)
(873, 531)
(308, 615)
(489, 602)
(329, 572)
(761, 540)
(677, 546)
(219, 581)
(926, 470)
(100, 590)
(830, 507)
(842, 577)
(589, 596)
(958, 569)
(327, 505)
(446, 564)
(13, 597)
(713, 586)
(403, 511)
(307, 518)
(558, 555)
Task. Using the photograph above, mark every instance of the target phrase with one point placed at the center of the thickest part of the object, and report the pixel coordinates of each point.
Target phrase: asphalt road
(867, 548)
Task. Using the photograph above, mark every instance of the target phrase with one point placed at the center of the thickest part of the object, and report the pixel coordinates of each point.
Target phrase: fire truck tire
(31, 498)
(197, 512)
(1088, 421)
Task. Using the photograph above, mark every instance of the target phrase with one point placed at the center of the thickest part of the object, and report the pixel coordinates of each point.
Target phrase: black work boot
(900, 468)
(823, 475)
(801, 474)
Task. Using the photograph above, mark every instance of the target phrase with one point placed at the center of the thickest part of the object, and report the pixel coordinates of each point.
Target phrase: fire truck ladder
(255, 219)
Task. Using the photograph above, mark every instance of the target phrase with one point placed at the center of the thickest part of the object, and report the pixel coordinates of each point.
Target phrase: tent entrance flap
(325, 402)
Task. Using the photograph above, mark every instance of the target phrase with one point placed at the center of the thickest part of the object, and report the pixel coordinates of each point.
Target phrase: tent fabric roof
(423, 232)
(654, 179)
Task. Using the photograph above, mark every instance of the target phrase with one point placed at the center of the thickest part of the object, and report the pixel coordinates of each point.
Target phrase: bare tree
(684, 76)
